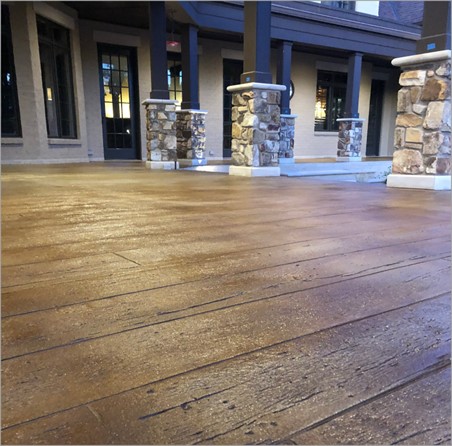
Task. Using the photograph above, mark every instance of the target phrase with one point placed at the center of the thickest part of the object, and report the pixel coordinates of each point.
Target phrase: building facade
(74, 74)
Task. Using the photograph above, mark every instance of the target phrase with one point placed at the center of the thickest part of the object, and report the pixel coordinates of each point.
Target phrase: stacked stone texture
(255, 127)
(161, 131)
(287, 135)
(422, 134)
(350, 138)
(191, 134)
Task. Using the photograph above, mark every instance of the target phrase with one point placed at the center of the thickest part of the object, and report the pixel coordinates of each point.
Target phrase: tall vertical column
(351, 126)
(257, 15)
(256, 116)
(160, 110)
(157, 40)
(191, 121)
(287, 130)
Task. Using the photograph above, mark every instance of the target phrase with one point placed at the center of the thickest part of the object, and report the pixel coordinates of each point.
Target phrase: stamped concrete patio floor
(145, 307)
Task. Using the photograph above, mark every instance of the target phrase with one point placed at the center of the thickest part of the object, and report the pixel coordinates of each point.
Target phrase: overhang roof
(309, 25)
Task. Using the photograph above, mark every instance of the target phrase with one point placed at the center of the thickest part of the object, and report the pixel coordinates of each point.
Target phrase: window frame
(173, 59)
(8, 57)
(57, 78)
(333, 86)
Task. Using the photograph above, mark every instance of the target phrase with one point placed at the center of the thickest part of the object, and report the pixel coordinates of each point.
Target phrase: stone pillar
(191, 137)
(286, 139)
(161, 134)
(350, 138)
(422, 155)
(256, 126)
(351, 127)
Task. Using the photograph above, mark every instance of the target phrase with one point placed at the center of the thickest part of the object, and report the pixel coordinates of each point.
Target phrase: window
(350, 5)
(10, 103)
(56, 68)
(330, 100)
(175, 76)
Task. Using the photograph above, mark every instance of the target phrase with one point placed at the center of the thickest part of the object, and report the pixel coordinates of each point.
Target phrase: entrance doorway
(232, 69)
(375, 113)
(120, 117)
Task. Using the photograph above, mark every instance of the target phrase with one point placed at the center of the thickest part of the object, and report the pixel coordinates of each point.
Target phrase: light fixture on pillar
(172, 42)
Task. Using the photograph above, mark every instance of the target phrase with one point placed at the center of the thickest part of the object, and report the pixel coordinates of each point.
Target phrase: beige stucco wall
(389, 114)
(34, 146)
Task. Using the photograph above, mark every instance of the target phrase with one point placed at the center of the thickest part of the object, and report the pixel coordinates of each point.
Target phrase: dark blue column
(353, 85)
(159, 62)
(257, 28)
(190, 77)
(435, 27)
(283, 74)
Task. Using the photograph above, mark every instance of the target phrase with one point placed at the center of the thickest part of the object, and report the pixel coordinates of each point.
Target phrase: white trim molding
(421, 58)
(256, 85)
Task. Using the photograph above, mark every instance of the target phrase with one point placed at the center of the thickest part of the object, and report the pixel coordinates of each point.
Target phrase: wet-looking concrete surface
(145, 307)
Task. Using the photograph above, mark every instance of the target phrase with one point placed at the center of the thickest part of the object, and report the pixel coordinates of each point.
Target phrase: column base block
(286, 160)
(249, 171)
(432, 182)
(348, 158)
(162, 165)
(192, 162)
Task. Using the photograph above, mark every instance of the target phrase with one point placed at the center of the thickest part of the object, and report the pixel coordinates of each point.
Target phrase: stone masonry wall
(255, 127)
(191, 134)
(350, 137)
(422, 134)
(161, 130)
(287, 135)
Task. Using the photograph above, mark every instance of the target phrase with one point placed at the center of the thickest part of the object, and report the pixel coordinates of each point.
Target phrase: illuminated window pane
(125, 95)
(125, 111)
(109, 110)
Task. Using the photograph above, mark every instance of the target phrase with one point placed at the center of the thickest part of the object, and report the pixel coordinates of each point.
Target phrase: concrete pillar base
(162, 165)
(192, 162)
(245, 171)
(348, 158)
(432, 182)
(286, 160)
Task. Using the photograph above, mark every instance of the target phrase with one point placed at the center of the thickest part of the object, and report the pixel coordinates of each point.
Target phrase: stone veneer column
(161, 134)
(191, 137)
(422, 155)
(287, 139)
(256, 124)
(350, 138)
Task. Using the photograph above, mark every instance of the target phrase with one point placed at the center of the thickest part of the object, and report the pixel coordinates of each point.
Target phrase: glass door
(119, 117)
